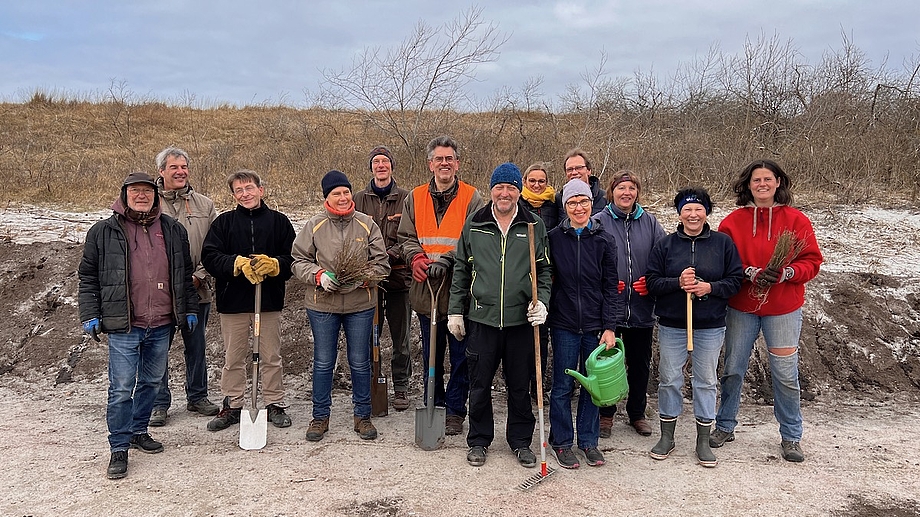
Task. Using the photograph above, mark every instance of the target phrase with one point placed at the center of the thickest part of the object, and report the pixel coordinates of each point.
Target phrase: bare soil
(860, 366)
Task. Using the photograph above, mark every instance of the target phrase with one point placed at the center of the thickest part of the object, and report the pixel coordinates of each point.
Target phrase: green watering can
(606, 380)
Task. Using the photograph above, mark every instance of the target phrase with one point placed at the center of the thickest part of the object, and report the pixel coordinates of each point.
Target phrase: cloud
(26, 36)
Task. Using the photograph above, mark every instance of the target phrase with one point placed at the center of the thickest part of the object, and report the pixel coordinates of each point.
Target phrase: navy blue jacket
(584, 296)
(635, 234)
(716, 260)
(245, 232)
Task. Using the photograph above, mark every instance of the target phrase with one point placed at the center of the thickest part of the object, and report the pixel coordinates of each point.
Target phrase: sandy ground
(862, 459)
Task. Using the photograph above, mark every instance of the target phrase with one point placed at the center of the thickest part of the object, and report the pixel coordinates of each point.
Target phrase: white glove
(455, 326)
(536, 314)
(328, 282)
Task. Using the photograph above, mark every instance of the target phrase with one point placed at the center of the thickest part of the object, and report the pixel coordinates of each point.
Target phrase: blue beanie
(507, 173)
(334, 179)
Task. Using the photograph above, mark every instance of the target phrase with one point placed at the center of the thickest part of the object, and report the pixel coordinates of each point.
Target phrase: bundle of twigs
(352, 267)
(788, 246)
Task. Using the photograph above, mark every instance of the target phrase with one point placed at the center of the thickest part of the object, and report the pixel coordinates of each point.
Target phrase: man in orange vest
(430, 227)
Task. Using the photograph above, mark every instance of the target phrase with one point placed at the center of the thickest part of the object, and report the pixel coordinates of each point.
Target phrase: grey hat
(574, 188)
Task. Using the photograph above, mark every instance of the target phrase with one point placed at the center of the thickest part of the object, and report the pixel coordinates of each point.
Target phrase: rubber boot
(703, 452)
(665, 445)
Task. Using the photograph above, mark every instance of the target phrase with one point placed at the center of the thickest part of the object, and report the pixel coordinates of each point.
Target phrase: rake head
(535, 479)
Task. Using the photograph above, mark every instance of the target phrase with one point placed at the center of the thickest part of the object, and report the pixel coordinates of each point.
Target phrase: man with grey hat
(494, 249)
(136, 286)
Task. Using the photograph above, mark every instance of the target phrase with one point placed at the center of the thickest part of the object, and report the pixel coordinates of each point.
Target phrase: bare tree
(413, 88)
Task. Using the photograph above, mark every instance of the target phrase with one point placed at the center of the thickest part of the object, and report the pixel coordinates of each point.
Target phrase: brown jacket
(386, 213)
(195, 212)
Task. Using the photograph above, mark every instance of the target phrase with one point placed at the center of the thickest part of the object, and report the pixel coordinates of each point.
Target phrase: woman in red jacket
(770, 300)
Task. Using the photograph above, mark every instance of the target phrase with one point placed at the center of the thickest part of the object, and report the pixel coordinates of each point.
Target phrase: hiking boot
(453, 425)
(277, 415)
(318, 427)
(228, 416)
(144, 443)
(365, 428)
(792, 451)
(526, 457)
(719, 437)
(400, 401)
(158, 417)
(203, 407)
(566, 458)
(606, 426)
(593, 457)
(118, 465)
(641, 426)
(477, 455)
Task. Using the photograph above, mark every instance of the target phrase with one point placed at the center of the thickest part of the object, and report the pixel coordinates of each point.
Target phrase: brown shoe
(453, 425)
(318, 428)
(606, 426)
(641, 426)
(365, 428)
(400, 401)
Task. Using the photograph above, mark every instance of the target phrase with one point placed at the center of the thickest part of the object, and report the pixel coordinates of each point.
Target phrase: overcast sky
(247, 52)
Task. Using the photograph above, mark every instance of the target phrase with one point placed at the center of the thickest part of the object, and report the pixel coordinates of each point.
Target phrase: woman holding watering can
(635, 231)
(692, 273)
(584, 309)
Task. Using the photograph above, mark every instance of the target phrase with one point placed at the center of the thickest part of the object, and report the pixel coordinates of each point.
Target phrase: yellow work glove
(238, 264)
(251, 274)
(266, 266)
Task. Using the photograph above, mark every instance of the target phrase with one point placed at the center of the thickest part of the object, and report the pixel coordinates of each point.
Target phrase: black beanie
(334, 179)
(380, 149)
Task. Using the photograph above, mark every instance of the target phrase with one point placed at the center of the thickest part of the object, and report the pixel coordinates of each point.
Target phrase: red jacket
(755, 231)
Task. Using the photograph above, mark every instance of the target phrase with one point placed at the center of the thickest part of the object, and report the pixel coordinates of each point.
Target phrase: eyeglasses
(443, 159)
(583, 203)
(137, 191)
(577, 168)
(539, 182)
(248, 189)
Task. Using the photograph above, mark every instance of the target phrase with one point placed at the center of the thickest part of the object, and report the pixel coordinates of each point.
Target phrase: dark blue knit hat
(334, 179)
(507, 173)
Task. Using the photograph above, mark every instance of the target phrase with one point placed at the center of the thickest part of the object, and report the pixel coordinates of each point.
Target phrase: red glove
(621, 287)
(420, 263)
(640, 287)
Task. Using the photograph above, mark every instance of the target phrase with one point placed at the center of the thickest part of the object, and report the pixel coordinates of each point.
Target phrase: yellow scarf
(537, 200)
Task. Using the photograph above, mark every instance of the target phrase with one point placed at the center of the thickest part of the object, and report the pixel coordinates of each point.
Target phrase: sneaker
(641, 426)
(477, 455)
(203, 407)
(277, 415)
(719, 437)
(400, 401)
(118, 465)
(566, 458)
(228, 416)
(144, 443)
(792, 451)
(593, 457)
(453, 425)
(526, 457)
(158, 417)
(318, 428)
(365, 428)
(606, 426)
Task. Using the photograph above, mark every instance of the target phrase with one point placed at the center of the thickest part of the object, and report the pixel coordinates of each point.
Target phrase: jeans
(397, 313)
(137, 361)
(512, 348)
(326, 326)
(637, 342)
(196, 364)
(707, 346)
(458, 386)
(780, 331)
(570, 350)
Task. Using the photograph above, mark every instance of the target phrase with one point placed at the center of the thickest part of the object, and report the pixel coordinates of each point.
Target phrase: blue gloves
(92, 327)
(191, 321)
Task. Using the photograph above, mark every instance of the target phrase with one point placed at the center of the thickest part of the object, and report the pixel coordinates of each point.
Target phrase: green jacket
(491, 282)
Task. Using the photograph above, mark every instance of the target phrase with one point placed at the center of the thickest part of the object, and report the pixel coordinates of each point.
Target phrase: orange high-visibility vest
(436, 239)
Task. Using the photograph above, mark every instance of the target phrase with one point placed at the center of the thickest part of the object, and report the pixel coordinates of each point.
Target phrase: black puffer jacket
(104, 277)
